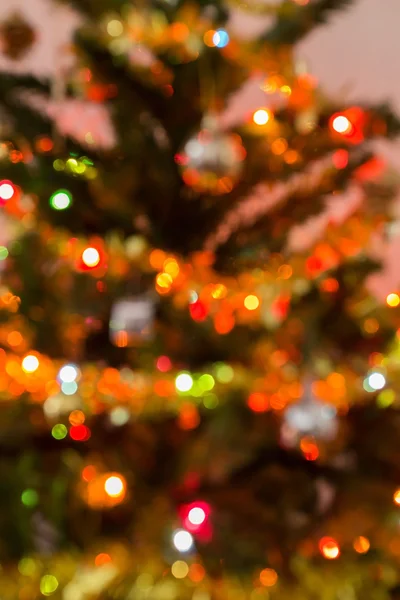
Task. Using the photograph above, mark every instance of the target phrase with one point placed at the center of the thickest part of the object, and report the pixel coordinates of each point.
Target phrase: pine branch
(295, 22)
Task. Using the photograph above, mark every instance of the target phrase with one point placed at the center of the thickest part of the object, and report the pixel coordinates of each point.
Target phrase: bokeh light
(329, 548)
(341, 124)
(60, 200)
(59, 431)
(197, 515)
(114, 486)
(268, 577)
(7, 190)
(393, 300)
(184, 382)
(220, 38)
(30, 363)
(361, 545)
(48, 585)
(179, 569)
(396, 497)
(251, 302)
(182, 540)
(91, 257)
(261, 116)
(68, 373)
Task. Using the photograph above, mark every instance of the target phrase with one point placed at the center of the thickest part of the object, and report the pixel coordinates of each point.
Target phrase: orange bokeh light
(329, 548)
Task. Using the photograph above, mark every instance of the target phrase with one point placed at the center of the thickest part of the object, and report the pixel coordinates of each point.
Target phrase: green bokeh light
(60, 200)
(59, 431)
(3, 252)
(29, 497)
(48, 585)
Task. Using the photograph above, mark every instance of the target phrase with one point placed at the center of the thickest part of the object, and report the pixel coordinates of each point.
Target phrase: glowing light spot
(393, 300)
(197, 515)
(163, 364)
(102, 559)
(69, 388)
(251, 302)
(329, 548)
(179, 569)
(206, 382)
(119, 416)
(361, 544)
(76, 417)
(7, 190)
(14, 338)
(376, 381)
(114, 486)
(68, 373)
(184, 382)
(30, 363)
(182, 540)
(164, 280)
(268, 577)
(220, 38)
(396, 497)
(48, 585)
(261, 116)
(258, 402)
(341, 124)
(3, 253)
(59, 431)
(91, 257)
(89, 473)
(60, 200)
(29, 498)
(80, 433)
(209, 38)
(115, 28)
(224, 373)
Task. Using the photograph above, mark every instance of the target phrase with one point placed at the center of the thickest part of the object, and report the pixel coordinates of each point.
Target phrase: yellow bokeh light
(341, 124)
(179, 569)
(251, 302)
(261, 116)
(164, 280)
(114, 486)
(361, 544)
(396, 497)
(91, 257)
(393, 300)
(171, 267)
(30, 363)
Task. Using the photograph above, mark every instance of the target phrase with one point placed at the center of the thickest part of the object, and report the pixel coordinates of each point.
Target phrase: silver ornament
(211, 161)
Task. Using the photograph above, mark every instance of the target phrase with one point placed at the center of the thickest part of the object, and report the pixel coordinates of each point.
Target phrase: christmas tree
(196, 402)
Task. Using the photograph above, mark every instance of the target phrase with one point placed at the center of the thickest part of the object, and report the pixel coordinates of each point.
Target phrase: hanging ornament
(309, 417)
(211, 161)
(131, 321)
(17, 36)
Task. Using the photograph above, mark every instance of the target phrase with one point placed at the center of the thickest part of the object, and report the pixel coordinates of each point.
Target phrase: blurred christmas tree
(191, 406)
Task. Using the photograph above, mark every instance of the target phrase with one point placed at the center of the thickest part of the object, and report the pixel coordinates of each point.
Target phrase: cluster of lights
(80, 166)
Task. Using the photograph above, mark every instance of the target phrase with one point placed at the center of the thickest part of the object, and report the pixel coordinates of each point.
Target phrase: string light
(114, 486)
(68, 373)
(261, 116)
(361, 545)
(220, 38)
(91, 257)
(7, 191)
(184, 382)
(182, 540)
(329, 548)
(60, 200)
(393, 300)
(341, 124)
(30, 363)
(251, 302)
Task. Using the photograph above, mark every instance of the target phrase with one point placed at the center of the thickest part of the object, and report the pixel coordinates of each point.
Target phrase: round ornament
(211, 161)
(16, 36)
